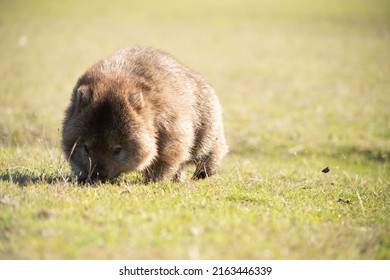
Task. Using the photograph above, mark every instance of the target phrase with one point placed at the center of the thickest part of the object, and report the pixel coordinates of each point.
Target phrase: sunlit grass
(304, 85)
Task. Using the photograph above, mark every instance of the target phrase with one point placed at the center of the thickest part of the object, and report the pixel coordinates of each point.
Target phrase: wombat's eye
(117, 150)
(86, 148)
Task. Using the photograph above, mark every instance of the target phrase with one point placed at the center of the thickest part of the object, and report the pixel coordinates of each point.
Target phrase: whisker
(91, 169)
(73, 148)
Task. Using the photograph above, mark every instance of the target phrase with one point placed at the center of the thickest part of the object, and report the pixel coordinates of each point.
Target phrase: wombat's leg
(208, 165)
(173, 152)
(205, 168)
(163, 171)
(180, 176)
(149, 175)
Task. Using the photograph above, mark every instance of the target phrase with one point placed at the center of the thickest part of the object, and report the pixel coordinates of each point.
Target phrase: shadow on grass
(25, 178)
(374, 154)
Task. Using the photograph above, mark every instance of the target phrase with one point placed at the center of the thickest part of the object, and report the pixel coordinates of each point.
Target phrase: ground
(304, 85)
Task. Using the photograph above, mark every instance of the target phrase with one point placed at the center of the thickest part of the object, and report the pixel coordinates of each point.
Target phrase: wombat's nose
(99, 173)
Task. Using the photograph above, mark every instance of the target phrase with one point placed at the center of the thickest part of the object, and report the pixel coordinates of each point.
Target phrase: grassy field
(304, 85)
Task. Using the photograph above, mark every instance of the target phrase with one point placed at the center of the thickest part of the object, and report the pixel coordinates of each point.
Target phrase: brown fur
(141, 110)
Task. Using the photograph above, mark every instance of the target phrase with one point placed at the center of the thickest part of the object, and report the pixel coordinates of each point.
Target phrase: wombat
(141, 110)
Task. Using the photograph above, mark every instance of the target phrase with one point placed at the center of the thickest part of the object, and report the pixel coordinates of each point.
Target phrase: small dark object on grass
(325, 170)
(344, 201)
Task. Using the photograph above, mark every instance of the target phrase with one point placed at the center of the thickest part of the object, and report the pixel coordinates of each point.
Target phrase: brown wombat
(141, 110)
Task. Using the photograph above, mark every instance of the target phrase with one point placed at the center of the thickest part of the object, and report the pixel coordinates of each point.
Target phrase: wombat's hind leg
(208, 165)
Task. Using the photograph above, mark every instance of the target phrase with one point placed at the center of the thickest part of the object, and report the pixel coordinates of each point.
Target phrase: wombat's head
(106, 132)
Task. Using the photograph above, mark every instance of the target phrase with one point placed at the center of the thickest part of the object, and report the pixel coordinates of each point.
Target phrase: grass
(304, 85)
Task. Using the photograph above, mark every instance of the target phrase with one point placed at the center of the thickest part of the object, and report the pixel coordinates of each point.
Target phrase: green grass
(303, 84)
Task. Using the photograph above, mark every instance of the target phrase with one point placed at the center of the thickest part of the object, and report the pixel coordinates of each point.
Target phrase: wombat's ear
(83, 96)
(136, 100)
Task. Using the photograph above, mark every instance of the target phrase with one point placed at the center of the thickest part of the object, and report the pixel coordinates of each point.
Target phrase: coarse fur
(141, 110)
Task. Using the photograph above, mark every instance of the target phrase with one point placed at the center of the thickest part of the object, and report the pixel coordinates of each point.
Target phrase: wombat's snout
(98, 173)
